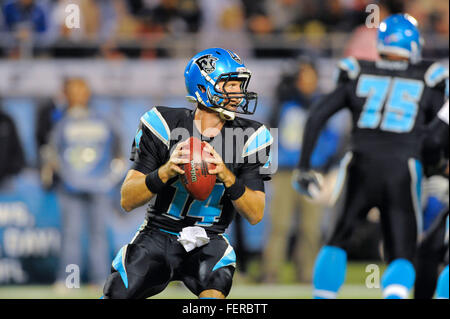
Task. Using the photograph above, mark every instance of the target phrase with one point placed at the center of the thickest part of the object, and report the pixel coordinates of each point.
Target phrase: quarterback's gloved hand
(307, 183)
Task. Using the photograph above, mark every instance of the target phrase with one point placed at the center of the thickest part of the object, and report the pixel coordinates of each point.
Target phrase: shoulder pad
(435, 74)
(259, 140)
(156, 123)
(351, 66)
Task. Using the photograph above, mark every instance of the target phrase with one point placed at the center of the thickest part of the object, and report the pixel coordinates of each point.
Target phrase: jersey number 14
(399, 96)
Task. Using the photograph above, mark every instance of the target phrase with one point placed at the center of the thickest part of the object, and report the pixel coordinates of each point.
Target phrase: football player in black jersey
(182, 238)
(433, 248)
(391, 101)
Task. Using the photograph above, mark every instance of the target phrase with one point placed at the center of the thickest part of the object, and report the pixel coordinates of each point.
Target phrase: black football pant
(390, 183)
(432, 251)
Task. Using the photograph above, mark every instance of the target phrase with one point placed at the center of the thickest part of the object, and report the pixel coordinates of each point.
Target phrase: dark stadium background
(133, 53)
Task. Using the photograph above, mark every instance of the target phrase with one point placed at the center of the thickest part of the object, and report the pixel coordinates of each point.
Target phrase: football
(196, 179)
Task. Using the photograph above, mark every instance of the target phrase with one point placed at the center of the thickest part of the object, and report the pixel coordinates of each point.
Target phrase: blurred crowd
(148, 28)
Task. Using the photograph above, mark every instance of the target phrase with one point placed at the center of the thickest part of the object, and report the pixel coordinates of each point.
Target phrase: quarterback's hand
(307, 183)
(179, 156)
(222, 172)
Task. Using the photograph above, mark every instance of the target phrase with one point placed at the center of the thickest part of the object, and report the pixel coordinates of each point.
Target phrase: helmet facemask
(220, 98)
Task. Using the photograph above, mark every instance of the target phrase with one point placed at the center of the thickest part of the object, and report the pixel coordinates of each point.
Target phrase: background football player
(391, 100)
(216, 80)
(433, 248)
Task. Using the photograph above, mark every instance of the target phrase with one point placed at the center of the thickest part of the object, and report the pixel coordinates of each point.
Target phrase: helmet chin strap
(224, 114)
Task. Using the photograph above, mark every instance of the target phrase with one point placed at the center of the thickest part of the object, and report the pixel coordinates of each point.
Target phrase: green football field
(244, 287)
(178, 291)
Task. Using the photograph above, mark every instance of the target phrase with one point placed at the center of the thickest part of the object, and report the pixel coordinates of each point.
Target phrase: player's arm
(138, 188)
(321, 111)
(134, 191)
(438, 128)
(152, 166)
(306, 181)
(248, 202)
(436, 139)
(436, 144)
(436, 80)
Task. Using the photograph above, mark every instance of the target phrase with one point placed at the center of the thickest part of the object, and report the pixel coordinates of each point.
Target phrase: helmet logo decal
(391, 38)
(207, 63)
(235, 57)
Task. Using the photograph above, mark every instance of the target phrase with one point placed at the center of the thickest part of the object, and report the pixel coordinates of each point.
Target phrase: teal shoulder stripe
(350, 65)
(435, 74)
(257, 141)
(119, 264)
(156, 123)
(137, 138)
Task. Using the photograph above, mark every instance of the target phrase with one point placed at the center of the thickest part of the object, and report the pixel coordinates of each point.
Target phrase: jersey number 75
(399, 97)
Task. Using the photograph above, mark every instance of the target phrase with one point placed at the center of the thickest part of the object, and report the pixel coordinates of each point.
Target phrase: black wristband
(153, 182)
(236, 190)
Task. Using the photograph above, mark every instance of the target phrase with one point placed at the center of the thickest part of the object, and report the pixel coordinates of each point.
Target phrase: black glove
(307, 183)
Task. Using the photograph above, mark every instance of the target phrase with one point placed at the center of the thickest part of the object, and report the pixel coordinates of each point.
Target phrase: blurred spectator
(338, 18)
(160, 28)
(224, 26)
(295, 93)
(98, 22)
(440, 18)
(433, 18)
(84, 152)
(25, 16)
(138, 7)
(171, 17)
(284, 15)
(27, 21)
(12, 158)
(252, 8)
(258, 25)
(126, 32)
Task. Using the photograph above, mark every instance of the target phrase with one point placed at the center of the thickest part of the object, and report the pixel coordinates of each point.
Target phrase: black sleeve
(148, 152)
(256, 169)
(436, 99)
(439, 132)
(436, 144)
(320, 112)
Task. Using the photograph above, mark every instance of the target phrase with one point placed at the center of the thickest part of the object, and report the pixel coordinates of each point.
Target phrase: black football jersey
(243, 144)
(391, 103)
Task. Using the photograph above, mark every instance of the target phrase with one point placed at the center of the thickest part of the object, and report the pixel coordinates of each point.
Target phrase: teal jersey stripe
(119, 266)
(228, 259)
(257, 141)
(154, 121)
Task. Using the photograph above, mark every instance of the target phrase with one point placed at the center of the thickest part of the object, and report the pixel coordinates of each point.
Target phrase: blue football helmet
(399, 35)
(209, 67)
